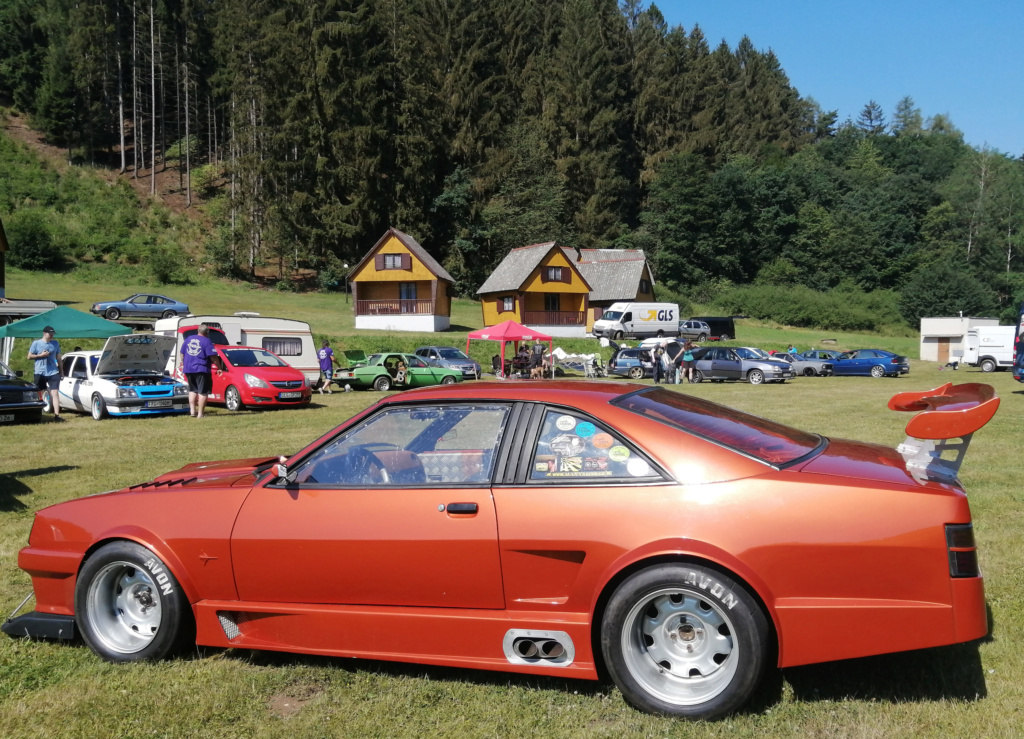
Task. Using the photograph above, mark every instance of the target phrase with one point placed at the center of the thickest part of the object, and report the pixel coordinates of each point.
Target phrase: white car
(125, 379)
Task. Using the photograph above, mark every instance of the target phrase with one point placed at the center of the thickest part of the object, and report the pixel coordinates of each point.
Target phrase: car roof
(564, 392)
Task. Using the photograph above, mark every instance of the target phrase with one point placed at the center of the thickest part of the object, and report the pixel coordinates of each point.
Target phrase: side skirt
(450, 637)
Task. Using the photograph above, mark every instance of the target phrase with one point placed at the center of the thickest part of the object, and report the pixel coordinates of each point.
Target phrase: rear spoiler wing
(946, 420)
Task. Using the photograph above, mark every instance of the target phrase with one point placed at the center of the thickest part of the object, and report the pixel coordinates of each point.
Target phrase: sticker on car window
(567, 445)
(638, 467)
(618, 454)
(585, 429)
(602, 441)
(564, 423)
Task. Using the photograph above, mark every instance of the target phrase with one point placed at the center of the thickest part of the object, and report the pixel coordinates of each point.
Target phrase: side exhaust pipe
(529, 647)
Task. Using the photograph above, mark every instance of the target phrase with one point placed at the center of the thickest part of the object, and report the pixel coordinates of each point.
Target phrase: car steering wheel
(363, 467)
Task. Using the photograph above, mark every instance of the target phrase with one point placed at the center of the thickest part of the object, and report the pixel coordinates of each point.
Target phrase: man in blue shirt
(46, 353)
(196, 355)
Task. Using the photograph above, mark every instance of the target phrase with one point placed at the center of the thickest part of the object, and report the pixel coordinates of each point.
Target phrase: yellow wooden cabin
(398, 286)
(560, 290)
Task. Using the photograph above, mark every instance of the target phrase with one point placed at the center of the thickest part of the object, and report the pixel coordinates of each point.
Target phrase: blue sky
(962, 59)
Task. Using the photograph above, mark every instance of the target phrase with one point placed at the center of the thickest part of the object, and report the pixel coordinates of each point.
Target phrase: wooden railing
(394, 307)
(555, 318)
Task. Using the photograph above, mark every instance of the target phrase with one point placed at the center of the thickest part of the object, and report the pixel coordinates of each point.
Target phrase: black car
(723, 328)
(19, 400)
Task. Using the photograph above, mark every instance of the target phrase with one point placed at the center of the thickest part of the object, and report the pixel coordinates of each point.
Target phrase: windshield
(214, 335)
(448, 352)
(756, 437)
(746, 353)
(6, 371)
(252, 358)
(611, 315)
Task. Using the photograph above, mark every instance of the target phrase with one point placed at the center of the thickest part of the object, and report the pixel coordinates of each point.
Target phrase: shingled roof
(613, 274)
(414, 247)
(515, 268)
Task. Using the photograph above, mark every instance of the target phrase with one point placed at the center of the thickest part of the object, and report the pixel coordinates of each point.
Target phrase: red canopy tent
(509, 331)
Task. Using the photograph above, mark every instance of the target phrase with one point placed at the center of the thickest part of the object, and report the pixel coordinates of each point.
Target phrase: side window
(416, 362)
(413, 446)
(78, 370)
(65, 366)
(282, 346)
(628, 317)
(571, 447)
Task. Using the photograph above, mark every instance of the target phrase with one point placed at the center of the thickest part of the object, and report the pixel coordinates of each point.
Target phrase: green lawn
(55, 690)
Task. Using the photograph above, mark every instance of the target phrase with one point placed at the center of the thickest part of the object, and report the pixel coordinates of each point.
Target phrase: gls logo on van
(658, 315)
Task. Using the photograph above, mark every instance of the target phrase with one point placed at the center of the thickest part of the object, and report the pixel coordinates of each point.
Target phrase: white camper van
(288, 339)
(639, 320)
(989, 347)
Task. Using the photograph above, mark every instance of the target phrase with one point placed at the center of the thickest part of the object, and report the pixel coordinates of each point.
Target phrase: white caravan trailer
(291, 340)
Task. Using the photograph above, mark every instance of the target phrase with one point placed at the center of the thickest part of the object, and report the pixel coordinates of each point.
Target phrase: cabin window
(554, 274)
(283, 346)
(552, 302)
(407, 291)
(508, 304)
(645, 286)
(392, 261)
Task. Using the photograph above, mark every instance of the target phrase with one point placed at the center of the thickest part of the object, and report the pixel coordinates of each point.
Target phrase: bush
(942, 289)
(844, 309)
(31, 241)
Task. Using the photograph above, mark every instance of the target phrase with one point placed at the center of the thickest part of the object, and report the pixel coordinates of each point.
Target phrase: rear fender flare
(682, 550)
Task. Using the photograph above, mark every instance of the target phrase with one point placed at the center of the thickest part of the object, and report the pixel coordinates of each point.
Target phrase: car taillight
(963, 555)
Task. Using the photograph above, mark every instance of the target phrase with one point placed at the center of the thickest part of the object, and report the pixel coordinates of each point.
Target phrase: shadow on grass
(12, 486)
(938, 674)
(941, 673)
(430, 672)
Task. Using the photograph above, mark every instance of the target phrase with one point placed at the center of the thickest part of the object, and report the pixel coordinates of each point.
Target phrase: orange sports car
(540, 528)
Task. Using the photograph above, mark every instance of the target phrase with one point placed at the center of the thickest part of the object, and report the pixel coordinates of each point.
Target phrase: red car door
(421, 533)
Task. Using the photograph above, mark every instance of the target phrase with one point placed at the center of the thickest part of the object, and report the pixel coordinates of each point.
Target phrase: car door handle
(462, 507)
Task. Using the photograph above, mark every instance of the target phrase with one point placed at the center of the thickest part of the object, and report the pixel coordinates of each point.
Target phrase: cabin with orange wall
(398, 286)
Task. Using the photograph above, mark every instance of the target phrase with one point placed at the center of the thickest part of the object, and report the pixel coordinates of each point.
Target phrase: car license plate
(286, 396)
(158, 404)
(6, 417)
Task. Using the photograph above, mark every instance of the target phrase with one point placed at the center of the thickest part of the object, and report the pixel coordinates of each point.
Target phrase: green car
(396, 371)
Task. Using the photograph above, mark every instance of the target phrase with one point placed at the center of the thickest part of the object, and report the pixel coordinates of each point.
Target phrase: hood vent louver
(163, 483)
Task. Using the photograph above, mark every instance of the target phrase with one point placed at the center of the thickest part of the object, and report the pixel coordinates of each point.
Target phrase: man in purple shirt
(327, 362)
(197, 353)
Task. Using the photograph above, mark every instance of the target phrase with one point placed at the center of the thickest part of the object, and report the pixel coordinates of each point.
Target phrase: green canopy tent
(67, 322)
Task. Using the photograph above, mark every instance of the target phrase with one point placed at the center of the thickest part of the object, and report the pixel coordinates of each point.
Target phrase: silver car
(719, 363)
(805, 366)
(696, 330)
(451, 358)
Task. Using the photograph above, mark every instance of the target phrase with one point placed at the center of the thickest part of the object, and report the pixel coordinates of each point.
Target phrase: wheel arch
(154, 544)
(687, 553)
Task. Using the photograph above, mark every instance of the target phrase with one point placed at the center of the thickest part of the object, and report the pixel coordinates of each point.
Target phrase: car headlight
(30, 396)
(181, 389)
(126, 392)
(254, 381)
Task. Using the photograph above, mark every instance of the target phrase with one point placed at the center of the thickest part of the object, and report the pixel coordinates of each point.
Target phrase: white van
(288, 339)
(639, 320)
(989, 347)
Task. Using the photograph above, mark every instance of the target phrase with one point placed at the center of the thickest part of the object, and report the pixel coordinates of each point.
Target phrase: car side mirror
(18, 373)
(281, 472)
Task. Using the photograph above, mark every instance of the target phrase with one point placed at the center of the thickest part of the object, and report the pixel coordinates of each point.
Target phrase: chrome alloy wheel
(680, 647)
(123, 603)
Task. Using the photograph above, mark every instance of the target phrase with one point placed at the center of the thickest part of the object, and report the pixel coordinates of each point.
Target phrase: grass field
(56, 690)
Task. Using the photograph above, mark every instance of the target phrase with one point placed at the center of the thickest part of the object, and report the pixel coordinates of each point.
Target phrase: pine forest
(307, 127)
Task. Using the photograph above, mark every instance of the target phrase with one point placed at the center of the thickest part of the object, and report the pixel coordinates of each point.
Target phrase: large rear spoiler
(947, 419)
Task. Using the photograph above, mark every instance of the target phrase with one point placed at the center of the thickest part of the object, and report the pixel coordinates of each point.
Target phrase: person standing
(676, 367)
(327, 364)
(46, 353)
(197, 355)
(689, 368)
(659, 363)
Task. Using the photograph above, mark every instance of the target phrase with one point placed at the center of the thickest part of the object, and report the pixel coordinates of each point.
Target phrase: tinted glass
(757, 437)
(449, 353)
(573, 448)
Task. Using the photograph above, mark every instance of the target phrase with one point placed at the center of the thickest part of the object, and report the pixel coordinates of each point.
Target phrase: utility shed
(942, 338)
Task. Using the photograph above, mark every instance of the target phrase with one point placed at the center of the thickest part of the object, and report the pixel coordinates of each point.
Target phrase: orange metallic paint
(846, 551)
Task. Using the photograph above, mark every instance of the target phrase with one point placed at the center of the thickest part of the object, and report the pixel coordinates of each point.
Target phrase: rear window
(214, 335)
(753, 436)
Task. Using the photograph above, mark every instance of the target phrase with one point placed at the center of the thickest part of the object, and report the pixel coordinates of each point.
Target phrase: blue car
(634, 363)
(871, 362)
(140, 306)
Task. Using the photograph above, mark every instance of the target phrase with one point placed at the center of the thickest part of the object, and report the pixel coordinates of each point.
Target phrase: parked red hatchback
(256, 377)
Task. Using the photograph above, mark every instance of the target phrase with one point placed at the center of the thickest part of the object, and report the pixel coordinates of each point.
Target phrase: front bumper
(36, 625)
